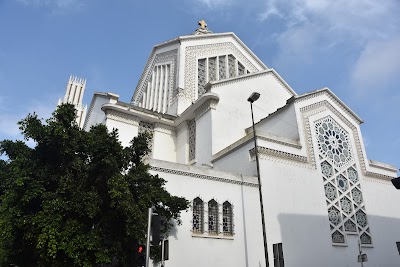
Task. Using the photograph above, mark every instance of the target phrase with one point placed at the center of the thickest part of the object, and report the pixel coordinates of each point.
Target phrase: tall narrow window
(145, 127)
(227, 218)
(212, 66)
(213, 217)
(240, 69)
(231, 66)
(201, 76)
(222, 67)
(198, 219)
(278, 255)
(192, 139)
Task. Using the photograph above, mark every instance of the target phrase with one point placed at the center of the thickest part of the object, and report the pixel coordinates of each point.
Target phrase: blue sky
(352, 47)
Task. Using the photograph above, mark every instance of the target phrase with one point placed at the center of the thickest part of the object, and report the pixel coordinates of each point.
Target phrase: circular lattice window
(333, 142)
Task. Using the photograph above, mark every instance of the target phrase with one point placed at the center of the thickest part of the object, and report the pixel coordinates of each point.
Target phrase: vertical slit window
(241, 69)
(222, 67)
(278, 255)
(145, 127)
(201, 76)
(198, 219)
(192, 139)
(212, 72)
(227, 218)
(213, 217)
(231, 66)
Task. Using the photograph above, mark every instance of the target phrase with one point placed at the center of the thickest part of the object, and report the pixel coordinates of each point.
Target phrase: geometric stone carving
(346, 208)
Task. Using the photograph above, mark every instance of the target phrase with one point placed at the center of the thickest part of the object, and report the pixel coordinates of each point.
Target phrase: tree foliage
(77, 198)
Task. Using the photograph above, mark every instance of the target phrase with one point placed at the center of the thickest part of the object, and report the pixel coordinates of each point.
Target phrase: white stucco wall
(244, 249)
(126, 132)
(233, 115)
(164, 144)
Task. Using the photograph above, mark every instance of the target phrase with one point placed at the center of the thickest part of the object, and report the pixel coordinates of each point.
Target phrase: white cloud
(213, 4)
(377, 67)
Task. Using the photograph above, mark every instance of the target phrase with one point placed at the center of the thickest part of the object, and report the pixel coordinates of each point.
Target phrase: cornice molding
(206, 106)
(281, 156)
(182, 127)
(202, 176)
(329, 94)
(250, 76)
(163, 128)
(122, 117)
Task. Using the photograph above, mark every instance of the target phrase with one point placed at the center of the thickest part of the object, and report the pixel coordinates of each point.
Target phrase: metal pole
(259, 189)
(360, 253)
(162, 253)
(148, 237)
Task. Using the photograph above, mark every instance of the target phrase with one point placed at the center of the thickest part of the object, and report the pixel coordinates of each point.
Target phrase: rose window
(333, 142)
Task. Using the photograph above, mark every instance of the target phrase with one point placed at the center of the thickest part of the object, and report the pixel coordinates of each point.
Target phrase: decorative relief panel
(192, 139)
(231, 66)
(212, 69)
(201, 76)
(145, 127)
(346, 209)
(222, 67)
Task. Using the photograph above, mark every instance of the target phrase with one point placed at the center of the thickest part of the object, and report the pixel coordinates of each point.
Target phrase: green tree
(77, 198)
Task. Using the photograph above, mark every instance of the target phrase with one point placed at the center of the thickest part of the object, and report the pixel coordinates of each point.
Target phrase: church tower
(74, 95)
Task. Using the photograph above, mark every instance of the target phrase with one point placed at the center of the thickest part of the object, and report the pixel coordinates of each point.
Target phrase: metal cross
(202, 24)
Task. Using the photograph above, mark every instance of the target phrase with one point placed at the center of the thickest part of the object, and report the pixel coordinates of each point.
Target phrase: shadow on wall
(307, 242)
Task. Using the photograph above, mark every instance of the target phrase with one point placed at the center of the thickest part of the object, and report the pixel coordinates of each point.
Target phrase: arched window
(198, 217)
(227, 218)
(213, 217)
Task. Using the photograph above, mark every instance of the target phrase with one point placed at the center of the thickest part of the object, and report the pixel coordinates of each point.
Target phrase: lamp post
(254, 97)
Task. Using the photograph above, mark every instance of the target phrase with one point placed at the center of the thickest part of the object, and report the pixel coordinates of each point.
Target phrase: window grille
(227, 218)
(240, 69)
(192, 139)
(212, 72)
(145, 127)
(222, 67)
(278, 255)
(231, 66)
(201, 76)
(346, 208)
(198, 219)
(213, 217)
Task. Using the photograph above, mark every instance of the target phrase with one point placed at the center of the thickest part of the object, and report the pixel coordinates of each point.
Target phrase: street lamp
(254, 97)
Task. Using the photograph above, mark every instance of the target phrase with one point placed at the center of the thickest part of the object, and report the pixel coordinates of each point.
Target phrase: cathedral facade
(323, 199)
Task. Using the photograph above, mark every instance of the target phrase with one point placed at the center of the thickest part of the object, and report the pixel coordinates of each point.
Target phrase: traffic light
(155, 230)
(140, 256)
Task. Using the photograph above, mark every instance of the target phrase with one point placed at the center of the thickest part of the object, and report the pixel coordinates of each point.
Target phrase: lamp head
(254, 96)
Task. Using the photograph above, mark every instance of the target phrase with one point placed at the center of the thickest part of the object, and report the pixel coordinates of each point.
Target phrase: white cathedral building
(322, 196)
